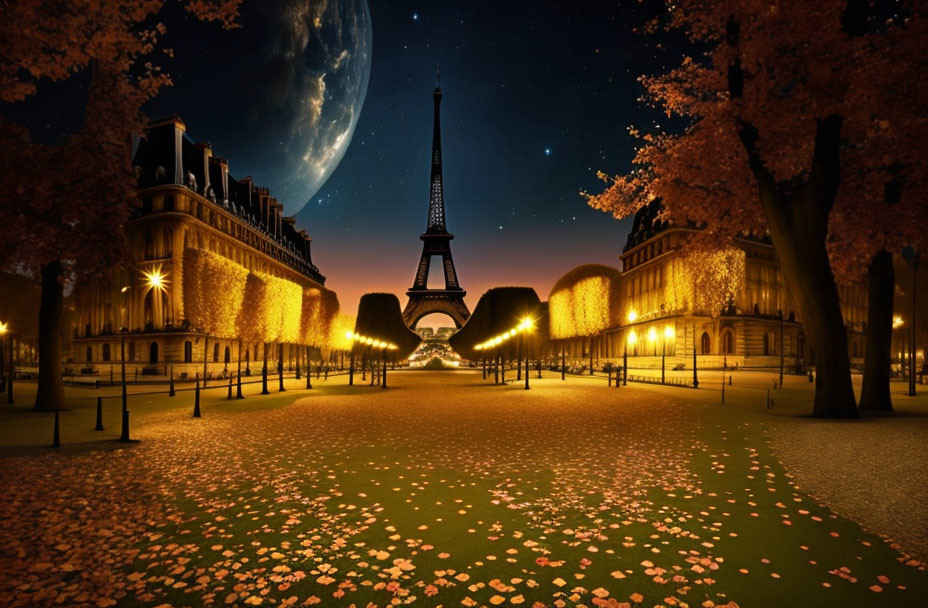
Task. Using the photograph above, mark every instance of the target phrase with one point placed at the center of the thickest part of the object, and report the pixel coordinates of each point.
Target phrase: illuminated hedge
(704, 280)
(319, 311)
(500, 310)
(272, 309)
(379, 317)
(214, 288)
(338, 339)
(585, 302)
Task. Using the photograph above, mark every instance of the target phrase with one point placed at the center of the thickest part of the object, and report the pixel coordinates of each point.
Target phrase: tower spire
(436, 219)
(436, 242)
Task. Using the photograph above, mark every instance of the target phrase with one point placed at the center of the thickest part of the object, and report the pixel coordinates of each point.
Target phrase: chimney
(222, 187)
(177, 145)
(206, 153)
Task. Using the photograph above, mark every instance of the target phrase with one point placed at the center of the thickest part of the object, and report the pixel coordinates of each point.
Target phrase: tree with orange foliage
(66, 204)
(806, 121)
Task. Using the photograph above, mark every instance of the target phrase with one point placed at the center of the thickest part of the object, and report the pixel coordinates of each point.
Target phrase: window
(766, 344)
(106, 352)
(216, 352)
(706, 343)
(228, 355)
(188, 351)
(153, 353)
(728, 342)
(149, 246)
(89, 355)
(131, 354)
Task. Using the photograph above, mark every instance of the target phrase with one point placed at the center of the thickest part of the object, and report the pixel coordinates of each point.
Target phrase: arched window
(228, 355)
(216, 352)
(149, 246)
(706, 343)
(188, 351)
(153, 353)
(728, 342)
(106, 352)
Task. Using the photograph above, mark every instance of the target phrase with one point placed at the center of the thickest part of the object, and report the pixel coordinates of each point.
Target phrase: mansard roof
(168, 155)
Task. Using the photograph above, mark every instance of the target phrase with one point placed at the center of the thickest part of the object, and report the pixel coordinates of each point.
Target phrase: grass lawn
(441, 490)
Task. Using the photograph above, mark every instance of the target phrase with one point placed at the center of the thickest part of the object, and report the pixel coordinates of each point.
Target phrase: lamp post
(695, 378)
(911, 256)
(780, 317)
(631, 338)
(669, 334)
(124, 436)
(8, 345)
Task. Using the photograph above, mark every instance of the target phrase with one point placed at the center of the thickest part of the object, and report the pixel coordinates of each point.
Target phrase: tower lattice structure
(436, 241)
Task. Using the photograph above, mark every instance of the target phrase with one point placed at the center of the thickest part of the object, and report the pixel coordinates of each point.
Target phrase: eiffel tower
(436, 240)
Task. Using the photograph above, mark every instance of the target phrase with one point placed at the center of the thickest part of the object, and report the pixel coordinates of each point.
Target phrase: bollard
(99, 426)
(729, 379)
(196, 400)
(230, 388)
(56, 440)
(171, 392)
(608, 378)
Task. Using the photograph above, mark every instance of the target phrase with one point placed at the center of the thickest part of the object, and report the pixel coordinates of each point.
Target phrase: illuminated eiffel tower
(436, 241)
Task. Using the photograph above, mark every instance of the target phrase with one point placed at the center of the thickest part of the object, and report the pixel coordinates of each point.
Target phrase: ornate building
(187, 199)
(663, 310)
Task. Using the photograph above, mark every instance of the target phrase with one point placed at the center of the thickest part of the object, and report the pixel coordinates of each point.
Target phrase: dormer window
(191, 181)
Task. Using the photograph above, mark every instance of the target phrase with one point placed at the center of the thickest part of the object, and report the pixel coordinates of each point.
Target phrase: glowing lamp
(669, 332)
(155, 279)
(632, 337)
(349, 335)
(632, 316)
(652, 335)
(3, 328)
(897, 322)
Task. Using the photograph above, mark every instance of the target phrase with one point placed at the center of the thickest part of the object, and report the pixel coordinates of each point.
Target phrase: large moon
(281, 95)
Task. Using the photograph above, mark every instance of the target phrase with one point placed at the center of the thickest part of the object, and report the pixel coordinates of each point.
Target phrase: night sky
(538, 96)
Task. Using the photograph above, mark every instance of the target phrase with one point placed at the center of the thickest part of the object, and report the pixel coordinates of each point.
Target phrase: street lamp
(780, 316)
(633, 340)
(124, 436)
(8, 343)
(669, 334)
(911, 256)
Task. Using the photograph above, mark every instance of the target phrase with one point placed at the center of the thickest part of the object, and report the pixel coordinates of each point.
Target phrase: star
(415, 16)
(547, 151)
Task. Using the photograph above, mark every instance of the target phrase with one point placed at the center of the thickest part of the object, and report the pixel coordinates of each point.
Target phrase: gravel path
(874, 470)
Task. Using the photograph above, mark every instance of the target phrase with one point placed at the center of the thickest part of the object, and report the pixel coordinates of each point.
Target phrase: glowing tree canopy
(379, 317)
(498, 312)
(585, 302)
(319, 311)
(272, 309)
(338, 339)
(214, 289)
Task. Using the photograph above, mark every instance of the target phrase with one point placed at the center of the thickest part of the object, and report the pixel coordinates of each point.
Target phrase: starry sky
(538, 96)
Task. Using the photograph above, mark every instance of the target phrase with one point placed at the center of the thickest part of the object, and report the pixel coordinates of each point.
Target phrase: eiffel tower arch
(436, 241)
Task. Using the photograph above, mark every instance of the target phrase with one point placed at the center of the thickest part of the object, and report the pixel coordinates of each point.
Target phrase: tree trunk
(798, 226)
(874, 395)
(50, 393)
